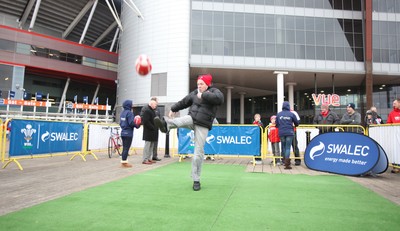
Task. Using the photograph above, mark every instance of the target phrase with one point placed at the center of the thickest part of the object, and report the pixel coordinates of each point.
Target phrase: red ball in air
(143, 65)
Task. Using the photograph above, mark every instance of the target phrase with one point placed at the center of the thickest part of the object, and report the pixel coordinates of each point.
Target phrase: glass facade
(242, 34)
(386, 34)
(318, 4)
(321, 30)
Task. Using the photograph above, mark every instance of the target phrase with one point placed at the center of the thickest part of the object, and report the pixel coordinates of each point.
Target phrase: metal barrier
(223, 141)
(53, 116)
(2, 130)
(304, 133)
(3, 140)
(26, 150)
(388, 137)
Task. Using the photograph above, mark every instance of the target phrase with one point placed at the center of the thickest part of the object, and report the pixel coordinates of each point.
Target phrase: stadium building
(260, 52)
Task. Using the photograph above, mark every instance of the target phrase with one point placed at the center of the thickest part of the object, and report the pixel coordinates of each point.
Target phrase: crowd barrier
(30, 139)
(248, 141)
(388, 136)
(227, 140)
(2, 139)
(304, 134)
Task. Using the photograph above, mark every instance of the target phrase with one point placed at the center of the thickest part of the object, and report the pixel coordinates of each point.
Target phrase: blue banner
(29, 137)
(228, 140)
(12, 94)
(85, 99)
(39, 96)
(345, 153)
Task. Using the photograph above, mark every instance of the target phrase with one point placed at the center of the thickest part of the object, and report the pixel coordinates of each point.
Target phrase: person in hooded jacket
(127, 125)
(285, 122)
(203, 104)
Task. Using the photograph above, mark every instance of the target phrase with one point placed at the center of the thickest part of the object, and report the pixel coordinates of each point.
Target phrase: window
(159, 84)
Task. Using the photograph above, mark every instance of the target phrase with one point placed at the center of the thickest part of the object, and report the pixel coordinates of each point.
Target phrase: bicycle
(114, 142)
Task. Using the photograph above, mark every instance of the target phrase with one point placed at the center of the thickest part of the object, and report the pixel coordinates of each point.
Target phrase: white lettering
(356, 150)
(55, 136)
(233, 140)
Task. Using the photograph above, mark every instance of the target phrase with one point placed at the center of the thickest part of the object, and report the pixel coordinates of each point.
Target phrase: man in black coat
(203, 104)
(150, 131)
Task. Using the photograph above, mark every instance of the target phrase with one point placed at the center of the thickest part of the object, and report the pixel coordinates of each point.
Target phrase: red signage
(91, 106)
(32, 103)
(329, 99)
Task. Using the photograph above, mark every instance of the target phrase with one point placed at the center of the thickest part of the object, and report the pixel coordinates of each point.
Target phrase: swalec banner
(345, 153)
(30, 137)
(230, 140)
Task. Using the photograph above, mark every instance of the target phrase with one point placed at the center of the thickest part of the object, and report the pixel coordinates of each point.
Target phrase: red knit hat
(206, 78)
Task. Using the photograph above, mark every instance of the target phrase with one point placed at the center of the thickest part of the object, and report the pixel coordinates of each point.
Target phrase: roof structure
(68, 19)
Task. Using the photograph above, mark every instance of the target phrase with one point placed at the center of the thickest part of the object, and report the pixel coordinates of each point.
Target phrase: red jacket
(394, 116)
(273, 133)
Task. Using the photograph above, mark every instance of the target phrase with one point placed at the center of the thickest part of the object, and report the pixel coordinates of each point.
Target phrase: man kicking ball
(202, 103)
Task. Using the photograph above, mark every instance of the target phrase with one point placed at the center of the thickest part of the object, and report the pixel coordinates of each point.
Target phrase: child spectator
(257, 120)
(273, 136)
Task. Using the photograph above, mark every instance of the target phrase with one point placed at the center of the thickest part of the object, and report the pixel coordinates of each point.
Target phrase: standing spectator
(203, 104)
(295, 143)
(273, 136)
(370, 118)
(150, 131)
(286, 121)
(127, 125)
(257, 120)
(375, 114)
(352, 117)
(155, 151)
(394, 118)
(326, 117)
(394, 115)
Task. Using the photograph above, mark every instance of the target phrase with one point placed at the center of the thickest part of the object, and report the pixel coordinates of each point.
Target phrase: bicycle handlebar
(116, 128)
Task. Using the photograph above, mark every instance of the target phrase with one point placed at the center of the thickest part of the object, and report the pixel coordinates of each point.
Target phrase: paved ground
(44, 179)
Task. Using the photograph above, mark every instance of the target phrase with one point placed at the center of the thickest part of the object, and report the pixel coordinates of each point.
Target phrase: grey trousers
(200, 135)
(155, 150)
(148, 149)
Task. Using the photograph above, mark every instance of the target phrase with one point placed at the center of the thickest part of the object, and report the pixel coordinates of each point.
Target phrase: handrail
(4, 114)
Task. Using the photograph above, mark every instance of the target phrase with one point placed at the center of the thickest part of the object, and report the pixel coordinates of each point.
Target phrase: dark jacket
(285, 120)
(329, 119)
(150, 131)
(204, 110)
(126, 119)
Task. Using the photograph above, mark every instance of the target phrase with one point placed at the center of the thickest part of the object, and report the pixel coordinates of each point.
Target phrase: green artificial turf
(230, 199)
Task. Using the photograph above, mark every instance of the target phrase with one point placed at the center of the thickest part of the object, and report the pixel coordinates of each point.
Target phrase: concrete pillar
(291, 93)
(280, 89)
(242, 106)
(229, 104)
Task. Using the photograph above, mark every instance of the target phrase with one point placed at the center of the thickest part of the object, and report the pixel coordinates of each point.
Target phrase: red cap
(206, 78)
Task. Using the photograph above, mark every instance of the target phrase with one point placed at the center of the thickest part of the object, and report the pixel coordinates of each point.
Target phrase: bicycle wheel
(118, 143)
(110, 147)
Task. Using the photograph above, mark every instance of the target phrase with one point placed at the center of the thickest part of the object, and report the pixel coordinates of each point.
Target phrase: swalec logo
(210, 139)
(343, 153)
(317, 150)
